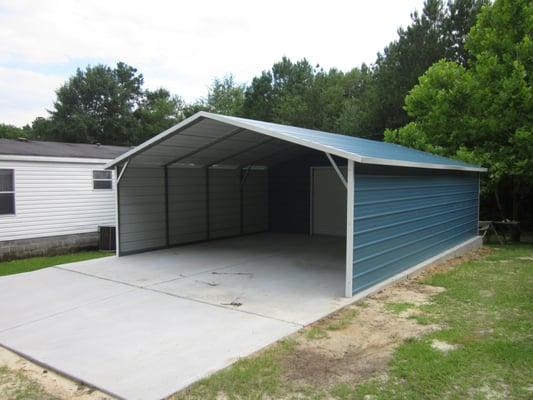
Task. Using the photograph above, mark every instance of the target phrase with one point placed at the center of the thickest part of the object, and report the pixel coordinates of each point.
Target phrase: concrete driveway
(147, 325)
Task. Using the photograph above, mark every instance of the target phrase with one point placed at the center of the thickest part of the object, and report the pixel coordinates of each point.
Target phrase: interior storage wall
(403, 216)
(290, 192)
(224, 203)
(255, 201)
(187, 196)
(200, 206)
(236, 209)
(141, 204)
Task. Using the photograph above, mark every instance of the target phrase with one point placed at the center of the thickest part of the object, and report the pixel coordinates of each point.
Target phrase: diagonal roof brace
(119, 177)
(337, 170)
(205, 146)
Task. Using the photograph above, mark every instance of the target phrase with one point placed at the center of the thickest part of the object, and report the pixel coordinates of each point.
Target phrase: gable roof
(59, 149)
(209, 139)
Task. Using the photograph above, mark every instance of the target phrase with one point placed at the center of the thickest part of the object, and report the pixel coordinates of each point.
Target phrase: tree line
(455, 82)
(109, 105)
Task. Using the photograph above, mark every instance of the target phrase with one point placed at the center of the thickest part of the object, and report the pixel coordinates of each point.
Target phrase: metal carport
(213, 176)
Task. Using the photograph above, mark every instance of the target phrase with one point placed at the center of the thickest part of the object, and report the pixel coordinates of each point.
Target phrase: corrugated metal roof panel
(215, 132)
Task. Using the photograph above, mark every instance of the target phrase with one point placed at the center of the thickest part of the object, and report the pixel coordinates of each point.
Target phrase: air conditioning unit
(107, 237)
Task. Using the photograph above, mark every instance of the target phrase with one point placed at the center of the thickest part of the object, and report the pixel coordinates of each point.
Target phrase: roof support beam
(119, 177)
(337, 170)
(243, 180)
(205, 146)
(238, 153)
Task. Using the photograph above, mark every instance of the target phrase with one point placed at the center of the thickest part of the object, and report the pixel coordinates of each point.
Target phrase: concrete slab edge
(456, 251)
(61, 372)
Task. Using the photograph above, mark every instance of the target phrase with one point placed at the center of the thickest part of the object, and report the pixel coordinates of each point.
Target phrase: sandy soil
(54, 384)
(364, 347)
(371, 332)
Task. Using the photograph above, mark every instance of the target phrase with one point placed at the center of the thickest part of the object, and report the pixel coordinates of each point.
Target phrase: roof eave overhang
(306, 143)
(409, 164)
(56, 159)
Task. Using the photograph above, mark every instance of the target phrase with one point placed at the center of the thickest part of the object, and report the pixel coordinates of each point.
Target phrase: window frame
(110, 179)
(12, 192)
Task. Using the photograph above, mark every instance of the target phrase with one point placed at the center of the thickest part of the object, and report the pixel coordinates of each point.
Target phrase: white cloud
(25, 95)
(183, 45)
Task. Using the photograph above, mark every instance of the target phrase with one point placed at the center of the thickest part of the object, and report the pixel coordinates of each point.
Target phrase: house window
(102, 180)
(7, 191)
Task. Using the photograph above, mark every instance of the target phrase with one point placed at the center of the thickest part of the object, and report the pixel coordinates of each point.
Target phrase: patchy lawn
(15, 385)
(35, 263)
(463, 329)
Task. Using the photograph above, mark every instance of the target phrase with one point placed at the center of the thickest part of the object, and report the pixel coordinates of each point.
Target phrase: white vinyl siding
(55, 198)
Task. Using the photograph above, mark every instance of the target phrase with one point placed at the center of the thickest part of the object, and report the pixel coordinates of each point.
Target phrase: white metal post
(117, 241)
(349, 228)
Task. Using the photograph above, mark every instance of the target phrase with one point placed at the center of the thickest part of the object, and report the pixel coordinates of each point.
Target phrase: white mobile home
(54, 196)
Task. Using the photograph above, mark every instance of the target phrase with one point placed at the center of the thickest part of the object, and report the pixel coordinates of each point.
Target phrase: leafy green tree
(282, 94)
(225, 96)
(9, 131)
(483, 113)
(157, 110)
(437, 32)
(96, 105)
(359, 103)
(108, 105)
(258, 98)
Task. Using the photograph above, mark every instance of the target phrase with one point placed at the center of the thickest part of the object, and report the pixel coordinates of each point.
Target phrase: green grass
(248, 378)
(398, 308)
(16, 386)
(35, 263)
(315, 333)
(487, 311)
(342, 319)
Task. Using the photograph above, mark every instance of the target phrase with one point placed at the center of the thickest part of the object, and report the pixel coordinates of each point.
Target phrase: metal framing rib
(205, 146)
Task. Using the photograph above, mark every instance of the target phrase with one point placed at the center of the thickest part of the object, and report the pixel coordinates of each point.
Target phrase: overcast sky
(180, 45)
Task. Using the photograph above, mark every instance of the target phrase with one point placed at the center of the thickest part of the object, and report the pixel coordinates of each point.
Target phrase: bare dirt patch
(53, 384)
(364, 346)
(445, 266)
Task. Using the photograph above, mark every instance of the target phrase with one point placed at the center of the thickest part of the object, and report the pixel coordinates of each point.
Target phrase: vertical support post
(167, 230)
(350, 186)
(241, 190)
(478, 200)
(207, 222)
(311, 194)
(117, 213)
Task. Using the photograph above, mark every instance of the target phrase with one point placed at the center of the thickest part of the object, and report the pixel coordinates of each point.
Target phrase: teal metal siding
(403, 216)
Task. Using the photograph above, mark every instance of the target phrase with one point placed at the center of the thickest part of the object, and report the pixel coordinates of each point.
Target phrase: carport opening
(216, 182)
